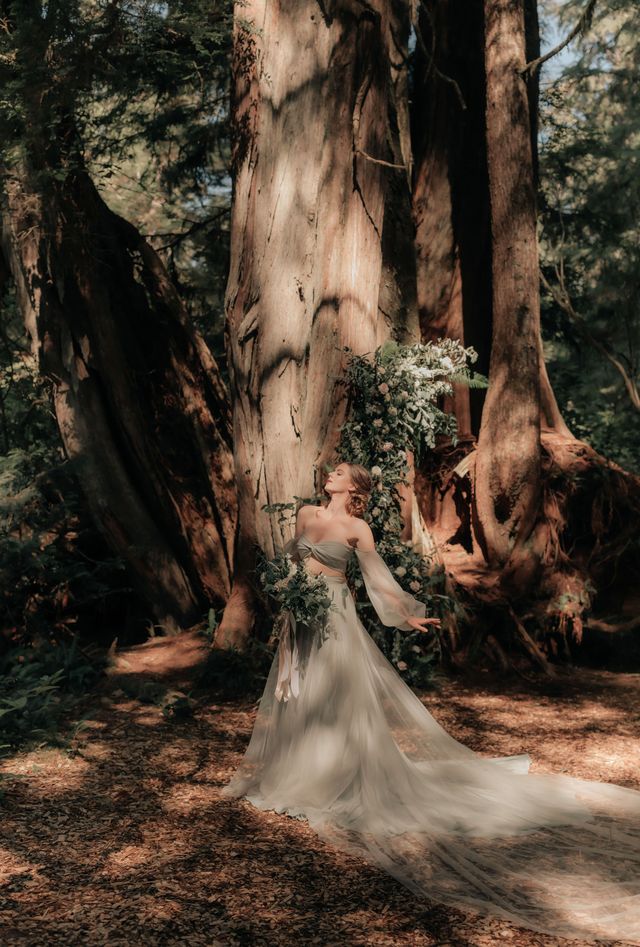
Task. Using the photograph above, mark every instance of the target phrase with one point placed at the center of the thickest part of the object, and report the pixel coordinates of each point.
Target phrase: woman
(340, 740)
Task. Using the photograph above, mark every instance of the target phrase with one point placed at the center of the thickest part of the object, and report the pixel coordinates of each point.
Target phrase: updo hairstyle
(358, 499)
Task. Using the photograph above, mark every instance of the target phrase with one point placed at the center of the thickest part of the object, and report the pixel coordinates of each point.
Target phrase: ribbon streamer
(288, 682)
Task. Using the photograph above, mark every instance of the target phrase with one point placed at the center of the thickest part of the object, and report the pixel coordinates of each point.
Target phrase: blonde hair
(358, 500)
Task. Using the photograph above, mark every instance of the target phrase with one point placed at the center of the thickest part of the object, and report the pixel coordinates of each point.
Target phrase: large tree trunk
(310, 106)
(508, 471)
(453, 233)
(140, 405)
(508, 518)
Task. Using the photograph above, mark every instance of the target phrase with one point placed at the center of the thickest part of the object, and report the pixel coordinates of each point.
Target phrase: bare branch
(431, 58)
(583, 23)
(387, 164)
(561, 296)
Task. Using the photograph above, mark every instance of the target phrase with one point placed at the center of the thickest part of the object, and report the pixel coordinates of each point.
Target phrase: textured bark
(310, 108)
(397, 300)
(450, 188)
(140, 405)
(508, 465)
(451, 213)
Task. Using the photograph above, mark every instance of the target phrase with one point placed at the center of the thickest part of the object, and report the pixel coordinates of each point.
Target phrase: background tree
(507, 510)
(139, 400)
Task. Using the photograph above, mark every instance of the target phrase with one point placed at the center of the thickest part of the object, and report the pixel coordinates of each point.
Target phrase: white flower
(382, 371)
(414, 586)
(383, 388)
(447, 364)
(376, 471)
(393, 411)
(400, 570)
(402, 665)
(375, 511)
(404, 394)
(387, 445)
(377, 422)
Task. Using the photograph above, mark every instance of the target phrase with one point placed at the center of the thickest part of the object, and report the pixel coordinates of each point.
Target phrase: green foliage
(394, 408)
(26, 420)
(39, 683)
(52, 566)
(590, 206)
(139, 94)
(395, 399)
(295, 589)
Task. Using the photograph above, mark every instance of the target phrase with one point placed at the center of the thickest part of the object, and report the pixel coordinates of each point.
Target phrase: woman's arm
(303, 516)
(394, 607)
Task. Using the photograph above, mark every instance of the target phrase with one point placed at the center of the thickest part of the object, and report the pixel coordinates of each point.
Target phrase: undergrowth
(40, 682)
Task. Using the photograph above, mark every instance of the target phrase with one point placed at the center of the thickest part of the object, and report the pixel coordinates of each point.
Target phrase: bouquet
(304, 602)
(304, 595)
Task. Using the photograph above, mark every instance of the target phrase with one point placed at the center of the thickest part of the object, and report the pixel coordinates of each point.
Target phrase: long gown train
(340, 740)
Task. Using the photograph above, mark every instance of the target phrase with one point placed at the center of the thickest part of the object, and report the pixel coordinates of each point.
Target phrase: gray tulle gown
(340, 740)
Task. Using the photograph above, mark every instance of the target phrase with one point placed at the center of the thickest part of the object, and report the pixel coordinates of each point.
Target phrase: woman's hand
(418, 623)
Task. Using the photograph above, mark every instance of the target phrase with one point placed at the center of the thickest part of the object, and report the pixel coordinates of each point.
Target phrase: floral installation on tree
(393, 408)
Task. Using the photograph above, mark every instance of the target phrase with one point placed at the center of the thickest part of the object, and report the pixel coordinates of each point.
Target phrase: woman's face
(339, 480)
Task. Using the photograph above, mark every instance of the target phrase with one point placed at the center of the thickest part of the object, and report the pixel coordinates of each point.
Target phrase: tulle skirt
(359, 756)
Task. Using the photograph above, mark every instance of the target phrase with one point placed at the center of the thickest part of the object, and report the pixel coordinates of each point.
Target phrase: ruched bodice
(330, 552)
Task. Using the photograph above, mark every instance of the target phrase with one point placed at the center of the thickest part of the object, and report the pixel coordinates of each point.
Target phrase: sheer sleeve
(290, 545)
(392, 604)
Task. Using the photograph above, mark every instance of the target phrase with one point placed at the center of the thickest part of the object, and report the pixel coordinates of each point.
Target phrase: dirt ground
(121, 837)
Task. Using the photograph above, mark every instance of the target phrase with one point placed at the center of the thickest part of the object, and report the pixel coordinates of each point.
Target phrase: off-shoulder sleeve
(392, 604)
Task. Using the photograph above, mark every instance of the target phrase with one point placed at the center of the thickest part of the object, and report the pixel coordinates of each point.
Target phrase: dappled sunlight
(179, 757)
(11, 865)
(184, 799)
(148, 716)
(128, 841)
(128, 858)
(47, 771)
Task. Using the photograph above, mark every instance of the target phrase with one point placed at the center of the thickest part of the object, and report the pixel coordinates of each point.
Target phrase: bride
(340, 740)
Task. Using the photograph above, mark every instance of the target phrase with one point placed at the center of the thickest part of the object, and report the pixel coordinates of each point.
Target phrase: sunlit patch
(148, 716)
(12, 866)
(129, 857)
(179, 757)
(183, 799)
(47, 771)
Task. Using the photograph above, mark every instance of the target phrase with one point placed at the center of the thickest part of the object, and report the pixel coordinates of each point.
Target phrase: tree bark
(451, 214)
(140, 405)
(310, 106)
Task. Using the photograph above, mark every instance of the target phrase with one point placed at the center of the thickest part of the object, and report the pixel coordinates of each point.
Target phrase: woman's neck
(337, 505)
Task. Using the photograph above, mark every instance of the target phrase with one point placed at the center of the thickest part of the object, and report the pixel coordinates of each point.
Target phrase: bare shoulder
(363, 535)
(305, 514)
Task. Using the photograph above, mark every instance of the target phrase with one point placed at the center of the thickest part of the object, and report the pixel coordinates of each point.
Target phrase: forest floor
(120, 837)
